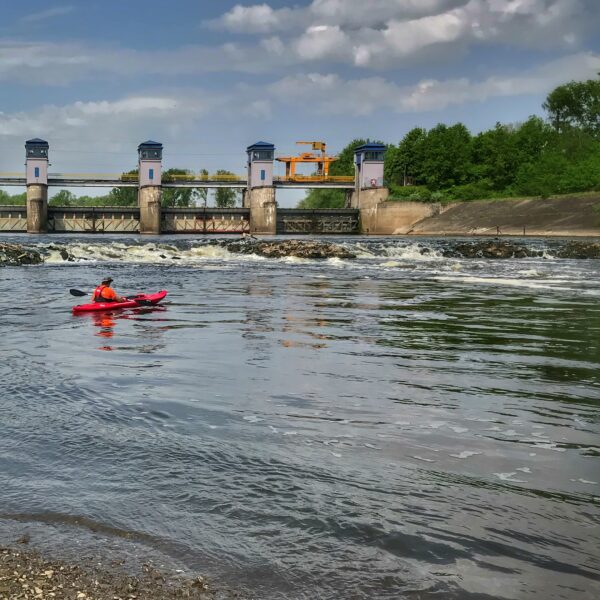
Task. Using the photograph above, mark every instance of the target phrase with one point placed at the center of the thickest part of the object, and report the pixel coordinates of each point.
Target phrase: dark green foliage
(575, 104)
(324, 199)
(178, 197)
(226, 197)
(534, 158)
(7, 199)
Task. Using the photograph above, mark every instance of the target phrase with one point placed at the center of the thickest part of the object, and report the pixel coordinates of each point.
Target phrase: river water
(399, 425)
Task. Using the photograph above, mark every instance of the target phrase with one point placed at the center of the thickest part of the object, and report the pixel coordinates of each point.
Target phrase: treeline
(127, 196)
(539, 157)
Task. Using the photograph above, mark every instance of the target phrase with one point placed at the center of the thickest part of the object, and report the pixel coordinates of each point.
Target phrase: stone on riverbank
(26, 574)
(283, 248)
(15, 255)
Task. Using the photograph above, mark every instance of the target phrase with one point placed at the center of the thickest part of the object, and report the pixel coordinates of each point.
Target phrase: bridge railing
(316, 178)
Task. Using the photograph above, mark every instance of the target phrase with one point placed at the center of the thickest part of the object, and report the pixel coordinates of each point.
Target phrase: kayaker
(104, 293)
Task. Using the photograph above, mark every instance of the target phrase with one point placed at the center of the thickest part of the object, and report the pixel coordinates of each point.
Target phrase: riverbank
(25, 574)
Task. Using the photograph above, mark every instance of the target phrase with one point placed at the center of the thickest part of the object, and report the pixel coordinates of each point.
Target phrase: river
(398, 425)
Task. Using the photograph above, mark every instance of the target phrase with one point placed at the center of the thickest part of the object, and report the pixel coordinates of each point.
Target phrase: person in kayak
(104, 293)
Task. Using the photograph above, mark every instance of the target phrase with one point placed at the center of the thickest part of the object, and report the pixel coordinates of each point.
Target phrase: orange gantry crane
(322, 161)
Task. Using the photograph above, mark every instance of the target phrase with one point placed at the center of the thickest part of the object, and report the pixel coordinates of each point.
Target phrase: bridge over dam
(366, 210)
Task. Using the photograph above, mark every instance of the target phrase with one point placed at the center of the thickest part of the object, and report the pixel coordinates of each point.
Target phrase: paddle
(140, 301)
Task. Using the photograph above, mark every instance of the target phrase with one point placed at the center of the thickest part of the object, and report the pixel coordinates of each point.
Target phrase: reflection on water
(416, 428)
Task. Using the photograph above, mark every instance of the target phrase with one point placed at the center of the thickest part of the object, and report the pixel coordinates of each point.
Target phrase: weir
(259, 215)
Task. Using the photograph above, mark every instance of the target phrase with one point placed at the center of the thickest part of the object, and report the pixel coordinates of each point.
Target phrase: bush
(477, 190)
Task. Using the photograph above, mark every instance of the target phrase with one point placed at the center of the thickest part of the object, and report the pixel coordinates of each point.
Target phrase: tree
(405, 162)
(575, 104)
(15, 200)
(447, 156)
(203, 192)
(178, 197)
(124, 196)
(63, 198)
(323, 199)
(495, 156)
(226, 197)
(344, 165)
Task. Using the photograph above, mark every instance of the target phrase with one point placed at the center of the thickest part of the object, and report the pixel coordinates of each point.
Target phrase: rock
(490, 249)
(15, 255)
(283, 248)
(580, 249)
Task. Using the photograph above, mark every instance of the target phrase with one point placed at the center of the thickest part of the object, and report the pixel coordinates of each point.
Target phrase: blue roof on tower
(370, 146)
(37, 141)
(151, 144)
(262, 145)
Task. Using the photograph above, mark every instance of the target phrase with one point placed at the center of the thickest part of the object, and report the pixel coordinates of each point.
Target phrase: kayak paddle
(140, 301)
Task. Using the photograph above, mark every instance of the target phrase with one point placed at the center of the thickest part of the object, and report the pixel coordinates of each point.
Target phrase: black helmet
(107, 280)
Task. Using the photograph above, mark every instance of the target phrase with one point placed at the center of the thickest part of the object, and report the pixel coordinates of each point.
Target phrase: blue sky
(95, 78)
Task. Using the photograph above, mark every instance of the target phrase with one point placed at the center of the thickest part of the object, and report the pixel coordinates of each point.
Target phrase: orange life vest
(99, 295)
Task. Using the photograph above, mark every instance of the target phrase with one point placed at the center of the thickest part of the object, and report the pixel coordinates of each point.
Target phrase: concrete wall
(37, 208)
(149, 201)
(378, 216)
(254, 170)
(369, 171)
(567, 215)
(31, 164)
(144, 166)
(263, 210)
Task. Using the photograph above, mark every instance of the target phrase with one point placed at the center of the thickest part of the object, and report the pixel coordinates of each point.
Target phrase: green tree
(495, 157)
(447, 156)
(323, 199)
(203, 192)
(575, 104)
(7, 199)
(405, 162)
(123, 196)
(178, 197)
(226, 197)
(344, 165)
(63, 198)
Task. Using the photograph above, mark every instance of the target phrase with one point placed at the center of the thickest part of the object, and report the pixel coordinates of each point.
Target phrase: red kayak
(131, 303)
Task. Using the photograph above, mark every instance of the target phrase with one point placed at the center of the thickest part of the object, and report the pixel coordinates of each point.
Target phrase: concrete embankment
(576, 215)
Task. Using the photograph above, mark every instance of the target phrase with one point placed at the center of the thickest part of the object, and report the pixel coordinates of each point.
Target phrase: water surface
(397, 425)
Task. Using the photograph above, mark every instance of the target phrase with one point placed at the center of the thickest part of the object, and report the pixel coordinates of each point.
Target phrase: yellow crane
(322, 161)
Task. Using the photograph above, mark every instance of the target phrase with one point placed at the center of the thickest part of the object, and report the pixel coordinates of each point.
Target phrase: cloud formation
(388, 33)
(330, 94)
(42, 15)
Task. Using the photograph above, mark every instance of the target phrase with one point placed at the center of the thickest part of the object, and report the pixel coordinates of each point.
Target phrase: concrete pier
(263, 210)
(36, 177)
(150, 186)
(37, 208)
(149, 200)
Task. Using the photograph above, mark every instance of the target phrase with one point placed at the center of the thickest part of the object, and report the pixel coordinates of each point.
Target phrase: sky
(208, 78)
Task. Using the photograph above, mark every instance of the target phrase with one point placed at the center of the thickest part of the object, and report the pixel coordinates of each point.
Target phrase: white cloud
(104, 118)
(322, 42)
(258, 18)
(380, 33)
(330, 94)
(56, 11)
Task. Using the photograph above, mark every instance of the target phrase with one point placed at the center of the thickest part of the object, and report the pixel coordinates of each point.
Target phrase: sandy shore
(26, 574)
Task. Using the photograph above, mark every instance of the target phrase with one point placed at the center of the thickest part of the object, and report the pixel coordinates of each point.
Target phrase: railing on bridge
(205, 220)
(13, 218)
(93, 219)
(316, 179)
